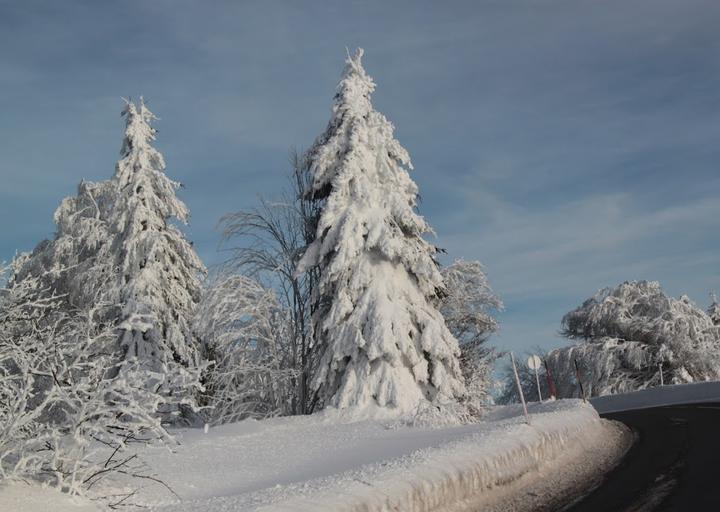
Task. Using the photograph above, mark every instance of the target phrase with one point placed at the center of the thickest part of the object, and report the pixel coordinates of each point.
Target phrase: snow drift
(316, 463)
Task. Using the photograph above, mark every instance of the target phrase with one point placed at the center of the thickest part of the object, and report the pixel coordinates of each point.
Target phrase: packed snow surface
(327, 463)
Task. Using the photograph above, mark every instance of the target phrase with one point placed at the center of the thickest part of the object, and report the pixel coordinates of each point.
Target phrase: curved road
(673, 465)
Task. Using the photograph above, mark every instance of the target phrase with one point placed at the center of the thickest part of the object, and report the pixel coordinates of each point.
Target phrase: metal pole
(537, 380)
(662, 381)
(520, 391)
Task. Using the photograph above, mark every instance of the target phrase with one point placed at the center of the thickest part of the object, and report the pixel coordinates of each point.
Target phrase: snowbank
(325, 463)
(312, 463)
(659, 396)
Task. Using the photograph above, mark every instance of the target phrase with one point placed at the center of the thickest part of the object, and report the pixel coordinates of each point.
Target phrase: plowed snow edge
(528, 467)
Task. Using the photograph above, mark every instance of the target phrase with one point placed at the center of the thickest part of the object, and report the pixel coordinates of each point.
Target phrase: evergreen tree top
(356, 136)
(140, 172)
(139, 132)
(354, 89)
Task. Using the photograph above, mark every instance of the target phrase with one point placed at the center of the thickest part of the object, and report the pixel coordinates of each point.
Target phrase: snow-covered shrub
(629, 333)
(467, 306)
(380, 339)
(68, 409)
(246, 336)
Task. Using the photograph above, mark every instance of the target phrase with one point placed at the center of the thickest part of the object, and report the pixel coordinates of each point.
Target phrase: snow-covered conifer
(159, 271)
(115, 245)
(382, 341)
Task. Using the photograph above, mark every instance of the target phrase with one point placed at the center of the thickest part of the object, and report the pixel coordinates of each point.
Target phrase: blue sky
(567, 144)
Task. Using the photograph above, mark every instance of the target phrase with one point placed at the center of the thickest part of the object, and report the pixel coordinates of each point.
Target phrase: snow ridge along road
(311, 463)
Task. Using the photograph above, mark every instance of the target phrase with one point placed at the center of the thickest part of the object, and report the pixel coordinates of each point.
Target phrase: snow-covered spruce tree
(381, 340)
(468, 306)
(158, 270)
(628, 333)
(247, 337)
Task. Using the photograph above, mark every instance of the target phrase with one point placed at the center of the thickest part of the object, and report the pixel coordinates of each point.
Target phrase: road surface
(673, 465)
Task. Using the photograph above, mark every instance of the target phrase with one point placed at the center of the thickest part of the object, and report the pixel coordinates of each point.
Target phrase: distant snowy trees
(629, 334)
(380, 339)
(76, 263)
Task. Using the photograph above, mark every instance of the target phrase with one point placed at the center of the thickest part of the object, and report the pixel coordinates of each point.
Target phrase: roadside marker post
(519, 387)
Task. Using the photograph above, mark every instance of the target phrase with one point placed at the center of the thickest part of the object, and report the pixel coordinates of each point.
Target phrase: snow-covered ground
(20, 497)
(697, 392)
(322, 463)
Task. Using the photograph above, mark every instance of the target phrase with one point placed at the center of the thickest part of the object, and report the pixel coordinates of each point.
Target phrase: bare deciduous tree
(267, 243)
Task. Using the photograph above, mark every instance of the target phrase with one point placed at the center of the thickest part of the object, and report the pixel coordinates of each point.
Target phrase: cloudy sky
(567, 144)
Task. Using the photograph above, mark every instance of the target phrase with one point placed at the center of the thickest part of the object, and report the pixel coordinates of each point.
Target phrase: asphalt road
(673, 465)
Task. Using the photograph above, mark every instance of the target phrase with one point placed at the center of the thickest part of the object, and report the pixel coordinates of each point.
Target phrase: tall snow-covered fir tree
(158, 269)
(381, 340)
(116, 253)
